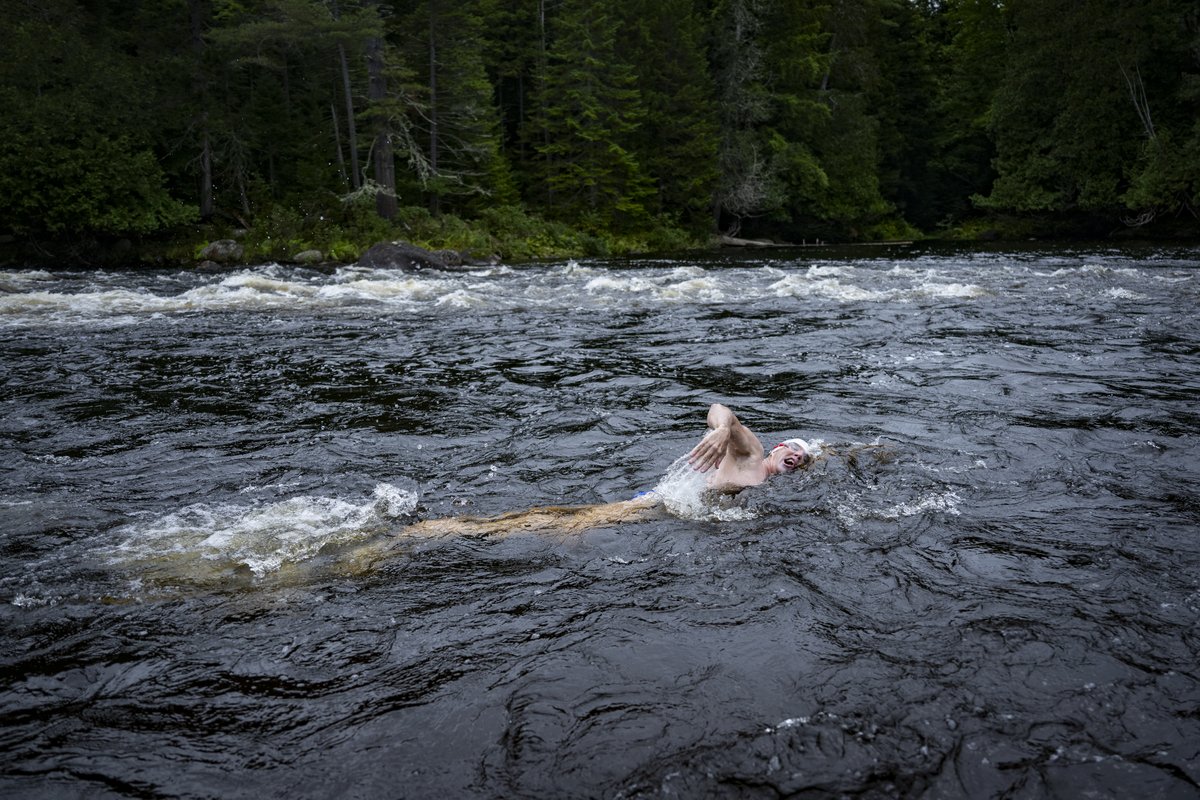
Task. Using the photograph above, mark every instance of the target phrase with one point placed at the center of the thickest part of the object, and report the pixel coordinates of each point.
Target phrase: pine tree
(279, 71)
(513, 39)
(70, 162)
(803, 119)
(903, 101)
(676, 143)
(1068, 115)
(745, 181)
(1159, 62)
(969, 64)
(592, 107)
(459, 125)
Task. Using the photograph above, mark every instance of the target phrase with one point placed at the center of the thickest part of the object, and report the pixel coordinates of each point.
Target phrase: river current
(987, 586)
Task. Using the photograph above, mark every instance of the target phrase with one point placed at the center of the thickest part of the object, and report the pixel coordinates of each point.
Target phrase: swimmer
(738, 455)
(730, 453)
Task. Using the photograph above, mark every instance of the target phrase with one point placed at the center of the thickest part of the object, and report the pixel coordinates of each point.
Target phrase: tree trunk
(351, 127)
(337, 143)
(542, 67)
(385, 164)
(434, 199)
(196, 18)
(206, 176)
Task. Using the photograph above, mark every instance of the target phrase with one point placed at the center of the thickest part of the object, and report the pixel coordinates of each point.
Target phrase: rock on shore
(410, 258)
(224, 251)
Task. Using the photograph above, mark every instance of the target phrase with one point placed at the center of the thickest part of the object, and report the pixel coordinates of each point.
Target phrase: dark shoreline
(174, 253)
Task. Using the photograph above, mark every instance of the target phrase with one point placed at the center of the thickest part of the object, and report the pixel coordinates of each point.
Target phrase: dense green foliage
(534, 126)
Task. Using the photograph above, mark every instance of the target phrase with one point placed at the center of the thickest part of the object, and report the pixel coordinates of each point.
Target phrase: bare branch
(1144, 218)
(1137, 93)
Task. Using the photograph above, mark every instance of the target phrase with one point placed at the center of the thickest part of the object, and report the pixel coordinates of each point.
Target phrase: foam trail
(205, 543)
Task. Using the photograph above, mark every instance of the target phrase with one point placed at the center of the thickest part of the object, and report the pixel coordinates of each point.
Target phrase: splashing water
(685, 493)
(208, 542)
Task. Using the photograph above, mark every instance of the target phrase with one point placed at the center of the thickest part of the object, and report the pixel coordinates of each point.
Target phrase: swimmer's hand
(711, 450)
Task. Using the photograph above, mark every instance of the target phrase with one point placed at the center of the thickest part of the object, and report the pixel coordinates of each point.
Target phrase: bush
(895, 229)
(343, 231)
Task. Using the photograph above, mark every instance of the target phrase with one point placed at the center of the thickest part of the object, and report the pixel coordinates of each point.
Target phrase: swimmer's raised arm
(727, 437)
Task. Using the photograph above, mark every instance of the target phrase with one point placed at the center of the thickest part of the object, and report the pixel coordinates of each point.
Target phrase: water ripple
(987, 586)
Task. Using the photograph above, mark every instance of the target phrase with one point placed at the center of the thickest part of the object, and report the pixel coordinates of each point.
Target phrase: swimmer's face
(789, 457)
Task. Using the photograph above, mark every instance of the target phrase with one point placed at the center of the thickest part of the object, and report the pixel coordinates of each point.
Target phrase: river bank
(504, 233)
(511, 235)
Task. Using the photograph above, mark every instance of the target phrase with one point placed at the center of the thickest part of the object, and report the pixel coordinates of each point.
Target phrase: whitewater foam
(1119, 293)
(42, 298)
(685, 493)
(824, 287)
(204, 541)
(965, 290)
(856, 509)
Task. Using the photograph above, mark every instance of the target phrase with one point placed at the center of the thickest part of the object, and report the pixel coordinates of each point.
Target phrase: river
(988, 585)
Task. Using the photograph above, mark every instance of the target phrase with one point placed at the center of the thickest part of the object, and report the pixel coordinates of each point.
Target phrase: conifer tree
(676, 143)
(1076, 105)
(281, 68)
(513, 44)
(969, 64)
(745, 182)
(803, 115)
(592, 107)
(70, 164)
(1160, 67)
(459, 124)
(791, 118)
(847, 145)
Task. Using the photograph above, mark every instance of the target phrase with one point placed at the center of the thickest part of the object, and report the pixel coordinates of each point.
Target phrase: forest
(530, 128)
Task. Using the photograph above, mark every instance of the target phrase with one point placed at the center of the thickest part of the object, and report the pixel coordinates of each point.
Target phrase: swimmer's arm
(726, 436)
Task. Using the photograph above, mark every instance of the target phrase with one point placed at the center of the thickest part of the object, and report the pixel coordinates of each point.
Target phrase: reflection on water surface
(999, 597)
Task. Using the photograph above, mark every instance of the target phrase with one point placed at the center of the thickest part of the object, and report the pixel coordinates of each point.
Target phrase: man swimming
(738, 455)
(730, 452)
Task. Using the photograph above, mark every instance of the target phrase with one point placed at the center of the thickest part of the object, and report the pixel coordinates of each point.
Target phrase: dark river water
(988, 586)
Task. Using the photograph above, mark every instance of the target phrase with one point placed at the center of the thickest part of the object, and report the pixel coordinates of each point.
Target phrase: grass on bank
(508, 232)
(341, 233)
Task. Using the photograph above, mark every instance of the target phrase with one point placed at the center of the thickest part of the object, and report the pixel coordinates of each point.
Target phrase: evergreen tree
(591, 108)
(744, 179)
(1076, 105)
(512, 44)
(70, 162)
(803, 119)
(1160, 68)
(275, 68)
(903, 101)
(790, 118)
(676, 144)
(459, 123)
(848, 148)
(969, 64)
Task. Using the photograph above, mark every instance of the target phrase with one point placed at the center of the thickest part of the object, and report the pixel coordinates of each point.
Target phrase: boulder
(451, 258)
(400, 255)
(472, 260)
(309, 257)
(223, 251)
